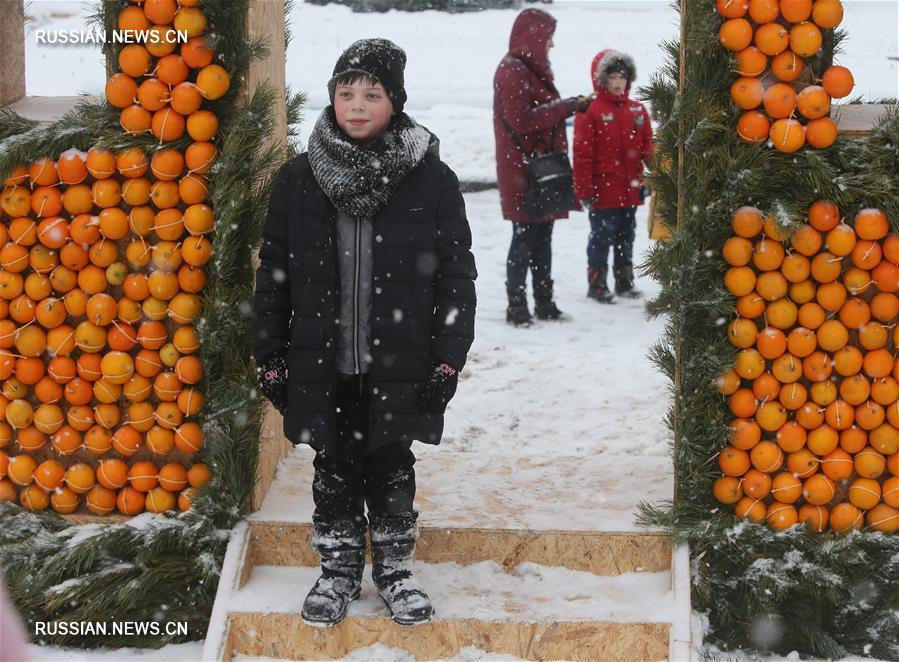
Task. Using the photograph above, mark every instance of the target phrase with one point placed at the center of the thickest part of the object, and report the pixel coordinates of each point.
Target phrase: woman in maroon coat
(526, 102)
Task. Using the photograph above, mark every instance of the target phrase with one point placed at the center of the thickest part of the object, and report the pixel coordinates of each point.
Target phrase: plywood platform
(476, 491)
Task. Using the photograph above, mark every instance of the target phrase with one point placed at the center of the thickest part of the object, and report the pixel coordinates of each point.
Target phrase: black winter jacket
(423, 302)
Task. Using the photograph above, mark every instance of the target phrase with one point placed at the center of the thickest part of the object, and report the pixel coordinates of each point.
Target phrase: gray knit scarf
(360, 180)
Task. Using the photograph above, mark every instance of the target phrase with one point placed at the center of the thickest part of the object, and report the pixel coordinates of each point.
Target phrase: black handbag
(550, 183)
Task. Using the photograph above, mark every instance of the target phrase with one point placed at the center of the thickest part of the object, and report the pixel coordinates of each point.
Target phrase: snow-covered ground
(579, 388)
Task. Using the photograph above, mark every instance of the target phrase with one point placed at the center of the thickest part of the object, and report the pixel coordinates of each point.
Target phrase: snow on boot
(392, 547)
(517, 312)
(544, 306)
(597, 288)
(342, 549)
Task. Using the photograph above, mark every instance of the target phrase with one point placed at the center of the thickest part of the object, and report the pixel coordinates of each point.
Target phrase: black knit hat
(379, 59)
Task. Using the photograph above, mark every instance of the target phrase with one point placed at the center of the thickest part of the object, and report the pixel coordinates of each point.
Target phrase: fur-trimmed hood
(607, 60)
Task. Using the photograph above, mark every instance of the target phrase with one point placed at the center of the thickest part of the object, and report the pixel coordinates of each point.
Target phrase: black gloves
(579, 104)
(272, 377)
(438, 389)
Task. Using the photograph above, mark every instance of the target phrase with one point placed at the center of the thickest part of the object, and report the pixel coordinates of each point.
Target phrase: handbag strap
(552, 139)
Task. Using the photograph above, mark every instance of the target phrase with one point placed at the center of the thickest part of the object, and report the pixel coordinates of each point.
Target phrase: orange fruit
(756, 484)
(818, 490)
(796, 268)
(197, 54)
(43, 173)
(883, 518)
(821, 133)
(815, 516)
(886, 276)
(766, 456)
(143, 476)
(193, 189)
(160, 441)
(172, 70)
(129, 501)
(824, 439)
(203, 125)
(153, 94)
(772, 286)
(805, 39)
(837, 465)
(839, 415)
(159, 500)
(771, 342)
(100, 500)
(823, 215)
(134, 119)
(780, 100)
(15, 200)
(126, 440)
(832, 336)
(885, 391)
(751, 509)
(823, 393)
(855, 313)
(869, 463)
(853, 439)
(67, 440)
(786, 488)
(189, 437)
(186, 99)
(871, 224)
(767, 255)
(747, 222)
(795, 11)
(878, 363)
(890, 491)
(198, 475)
(164, 194)
(754, 127)
(79, 478)
(727, 489)
(190, 401)
(826, 267)
(845, 516)
(747, 93)
(787, 135)
(787, 369)
(793, 396)
(873, 335)
(160, 42)
(749, 364)
(885, 439)
(838, 81)
(733, 461)
(781, 516)
(749, 305)
(864, 493)
(751, 62)
(764, 11)
(732, 8)
(46, 201)
(213, 82)
(787, 66)
(831, 297)
(200, 156)
(167, 164)
(106, 193)
(772, 39)
(855, 389)
(121, 90)
(827, 14)
(813, 102)
(167, 125)
(135, 60)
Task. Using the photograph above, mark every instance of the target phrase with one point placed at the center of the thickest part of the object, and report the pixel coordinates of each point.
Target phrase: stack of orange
(771, 41)
(101, 264)
(815, 387)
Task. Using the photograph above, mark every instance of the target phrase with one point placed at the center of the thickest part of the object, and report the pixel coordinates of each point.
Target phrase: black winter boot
(596, 287)
(342, 549)
(517, 313)
(624, 284)
(392, 547)
(544, 306)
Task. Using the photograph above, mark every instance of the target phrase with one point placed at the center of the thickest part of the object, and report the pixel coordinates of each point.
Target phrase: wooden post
(681, 213)
(266, 18)
(12, 51)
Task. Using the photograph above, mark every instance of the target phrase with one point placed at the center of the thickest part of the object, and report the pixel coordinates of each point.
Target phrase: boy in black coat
(363, 316)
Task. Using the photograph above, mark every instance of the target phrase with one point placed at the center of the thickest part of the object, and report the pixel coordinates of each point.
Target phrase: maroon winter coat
(525, 95)
(611, 141)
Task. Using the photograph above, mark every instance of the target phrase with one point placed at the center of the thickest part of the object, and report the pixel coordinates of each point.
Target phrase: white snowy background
(576, 388)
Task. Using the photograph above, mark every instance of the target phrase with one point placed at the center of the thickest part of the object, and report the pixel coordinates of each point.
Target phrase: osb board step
(286, 636)
(858, 119)
(601, 553)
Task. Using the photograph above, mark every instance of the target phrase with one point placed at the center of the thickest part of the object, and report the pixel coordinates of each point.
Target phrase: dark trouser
(617, 228)
(531, 247)
(350, 477)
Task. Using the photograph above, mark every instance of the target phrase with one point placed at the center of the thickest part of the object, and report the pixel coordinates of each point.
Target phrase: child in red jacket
(612, 142)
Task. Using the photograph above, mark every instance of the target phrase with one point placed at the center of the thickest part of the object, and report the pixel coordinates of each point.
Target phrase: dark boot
(624, 284)
(544, 306)
(392, 547)
(596, 286)
(342, 549)
(517, 313)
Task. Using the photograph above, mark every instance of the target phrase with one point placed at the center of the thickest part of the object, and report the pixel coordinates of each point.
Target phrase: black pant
(350, 477)
(531, 247)
(613, 228)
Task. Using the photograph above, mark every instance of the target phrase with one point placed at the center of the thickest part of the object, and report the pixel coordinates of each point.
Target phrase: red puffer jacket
(611, 142)
(525, 95)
